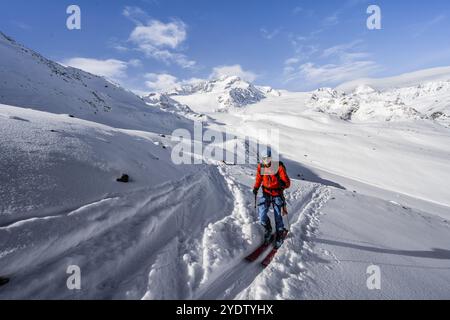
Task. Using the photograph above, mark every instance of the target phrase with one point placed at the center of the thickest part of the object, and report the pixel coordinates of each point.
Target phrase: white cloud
(167, 56)
(135, 63)
(303, 52)
(335, 73)
(331, 20)
(269, 35)
(159, 34)
(291, 61)
(161, 82)
(135, 14)
(110, 68)
(233, 70)
(341, 49)
(159, 40)
(425, 27)
(22, 25)
(341, 63)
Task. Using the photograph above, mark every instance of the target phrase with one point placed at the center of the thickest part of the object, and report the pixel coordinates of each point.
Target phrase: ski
(268, 259)
(255, 254)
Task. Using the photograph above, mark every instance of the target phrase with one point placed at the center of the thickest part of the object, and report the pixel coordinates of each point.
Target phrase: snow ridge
(30, 80)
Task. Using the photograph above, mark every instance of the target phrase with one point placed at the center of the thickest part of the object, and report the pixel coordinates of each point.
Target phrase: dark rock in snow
(3, 281)
(125, 179)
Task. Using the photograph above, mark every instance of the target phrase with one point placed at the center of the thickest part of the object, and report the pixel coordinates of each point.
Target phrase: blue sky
(149, 45)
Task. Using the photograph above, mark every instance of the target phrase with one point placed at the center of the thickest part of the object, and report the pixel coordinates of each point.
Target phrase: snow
(222, 94)
(166, 103)
(411, 251)
(31, 81)
(54, 163)
(370, 186)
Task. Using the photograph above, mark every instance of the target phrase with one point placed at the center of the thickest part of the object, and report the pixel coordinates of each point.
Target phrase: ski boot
(267, 234)
(281, 236)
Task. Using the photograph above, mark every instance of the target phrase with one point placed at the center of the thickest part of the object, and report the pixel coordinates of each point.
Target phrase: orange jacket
(272, 183)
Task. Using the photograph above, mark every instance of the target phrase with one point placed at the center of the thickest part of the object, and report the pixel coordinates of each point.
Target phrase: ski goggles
(266, 160)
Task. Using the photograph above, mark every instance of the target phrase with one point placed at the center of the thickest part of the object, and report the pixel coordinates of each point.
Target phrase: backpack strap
(280, 181)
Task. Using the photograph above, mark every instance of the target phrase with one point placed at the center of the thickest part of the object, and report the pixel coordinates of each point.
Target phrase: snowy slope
(31, 81)
(395, 140)
(409, 158)
(147, 244)
(339, 234)
(185, 235)
(410, 247)
(53, 163)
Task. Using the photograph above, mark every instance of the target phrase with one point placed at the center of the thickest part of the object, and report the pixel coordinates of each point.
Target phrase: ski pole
(286, 214)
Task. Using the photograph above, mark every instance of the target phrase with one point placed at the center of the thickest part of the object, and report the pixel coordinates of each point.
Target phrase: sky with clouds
(152, 45)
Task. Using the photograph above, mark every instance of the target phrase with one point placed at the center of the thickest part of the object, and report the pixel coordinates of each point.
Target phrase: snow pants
(263, 208)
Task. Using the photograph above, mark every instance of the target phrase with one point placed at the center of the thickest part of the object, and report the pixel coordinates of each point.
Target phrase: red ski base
(255, 254)
(269, 258)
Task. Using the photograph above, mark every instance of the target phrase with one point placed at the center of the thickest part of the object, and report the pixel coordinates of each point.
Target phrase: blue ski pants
(264, 204)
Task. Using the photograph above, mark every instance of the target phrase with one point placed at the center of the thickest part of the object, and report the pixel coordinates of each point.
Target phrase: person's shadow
(297, 171)
(434, 253)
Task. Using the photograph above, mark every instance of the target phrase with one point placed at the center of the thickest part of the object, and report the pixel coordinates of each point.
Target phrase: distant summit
(223, 93)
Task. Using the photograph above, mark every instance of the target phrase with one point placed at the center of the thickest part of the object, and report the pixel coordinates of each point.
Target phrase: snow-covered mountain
(221, 94)
(165, 102)
(429, 101)
(30, 80)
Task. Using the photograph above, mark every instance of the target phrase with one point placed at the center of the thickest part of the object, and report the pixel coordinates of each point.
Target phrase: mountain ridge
(30, 80)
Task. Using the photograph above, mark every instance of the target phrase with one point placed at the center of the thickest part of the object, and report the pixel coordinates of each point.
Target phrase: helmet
(266, 156)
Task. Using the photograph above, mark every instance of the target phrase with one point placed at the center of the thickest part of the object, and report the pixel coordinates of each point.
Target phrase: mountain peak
(364, 89)
(226, 91)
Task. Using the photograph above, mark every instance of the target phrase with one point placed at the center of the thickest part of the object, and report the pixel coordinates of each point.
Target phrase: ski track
(285, 276)
(305, 202)
(182, 240)
(121, 235)
(203, 254)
